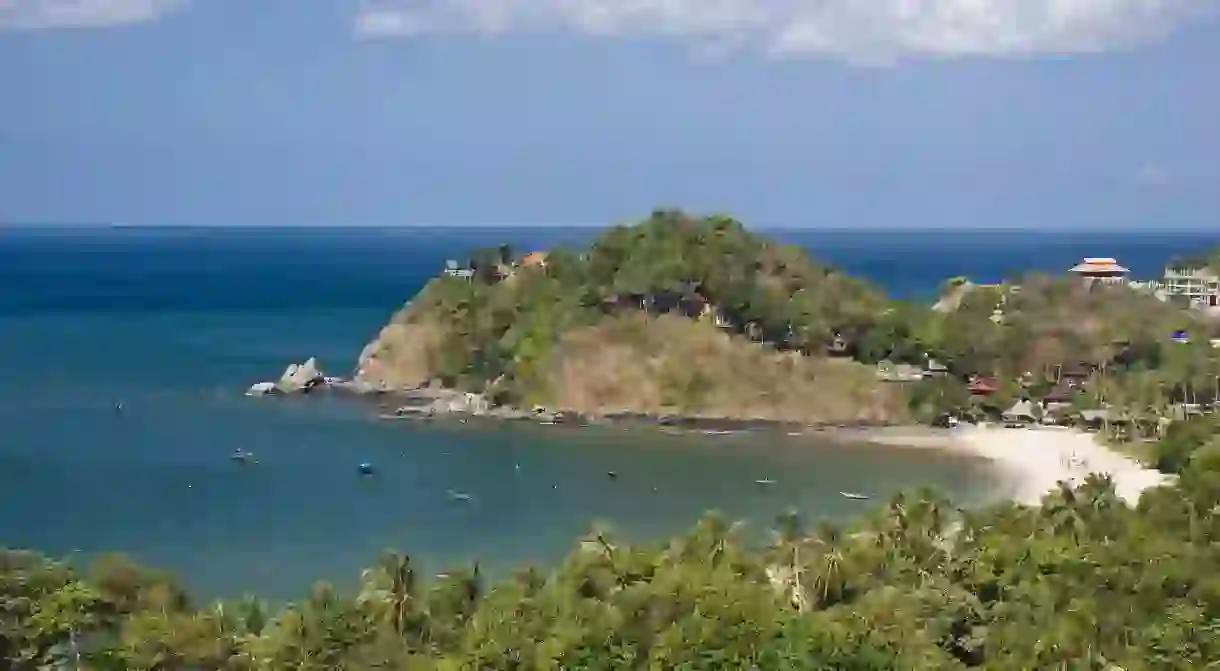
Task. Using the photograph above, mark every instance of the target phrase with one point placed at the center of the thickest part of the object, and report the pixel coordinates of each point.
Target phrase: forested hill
(658, 318)
(584, 330)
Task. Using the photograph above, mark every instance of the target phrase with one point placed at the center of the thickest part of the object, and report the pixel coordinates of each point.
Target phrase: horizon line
(834, 228)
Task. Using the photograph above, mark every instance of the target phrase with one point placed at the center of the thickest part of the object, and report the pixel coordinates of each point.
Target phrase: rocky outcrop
(297, 378)
(432, 402)
(301, 377)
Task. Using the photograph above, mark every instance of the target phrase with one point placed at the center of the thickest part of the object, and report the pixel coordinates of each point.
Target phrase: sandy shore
(1035, 460)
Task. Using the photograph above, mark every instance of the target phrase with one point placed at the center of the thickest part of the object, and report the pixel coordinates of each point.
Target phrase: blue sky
(835, 113)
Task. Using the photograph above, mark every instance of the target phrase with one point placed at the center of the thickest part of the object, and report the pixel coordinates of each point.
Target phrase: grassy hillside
(672, 365)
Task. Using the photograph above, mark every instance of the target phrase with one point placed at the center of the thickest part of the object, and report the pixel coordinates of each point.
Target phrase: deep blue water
(177, 322)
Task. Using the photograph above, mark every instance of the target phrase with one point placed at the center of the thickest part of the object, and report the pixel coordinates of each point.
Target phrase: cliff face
(671, 365)
(404, 355)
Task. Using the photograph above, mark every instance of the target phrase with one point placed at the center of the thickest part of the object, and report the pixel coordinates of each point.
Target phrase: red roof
(983, 386)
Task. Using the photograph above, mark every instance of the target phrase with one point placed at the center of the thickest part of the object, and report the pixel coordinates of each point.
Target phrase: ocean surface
(176, 323)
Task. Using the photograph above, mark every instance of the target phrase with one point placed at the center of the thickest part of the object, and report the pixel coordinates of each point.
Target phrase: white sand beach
(1035, 460)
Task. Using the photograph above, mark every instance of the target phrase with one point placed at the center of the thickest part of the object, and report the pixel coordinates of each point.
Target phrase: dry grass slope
(674, 365)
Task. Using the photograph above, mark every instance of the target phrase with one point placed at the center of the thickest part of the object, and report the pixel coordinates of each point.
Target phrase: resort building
(1199, 285)
(1101, 269)
(534, 259)
(453, 269)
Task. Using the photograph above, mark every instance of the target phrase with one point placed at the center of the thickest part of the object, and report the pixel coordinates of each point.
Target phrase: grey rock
(301, 377)
(262, 389)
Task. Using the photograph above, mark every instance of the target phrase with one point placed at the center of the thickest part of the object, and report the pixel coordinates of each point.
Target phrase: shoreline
(1033, 460)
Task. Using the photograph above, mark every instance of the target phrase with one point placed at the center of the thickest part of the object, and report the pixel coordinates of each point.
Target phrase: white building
(1199, 285)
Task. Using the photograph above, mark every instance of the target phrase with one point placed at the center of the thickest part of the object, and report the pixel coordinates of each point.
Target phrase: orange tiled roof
(534, 259)
(1099, 265)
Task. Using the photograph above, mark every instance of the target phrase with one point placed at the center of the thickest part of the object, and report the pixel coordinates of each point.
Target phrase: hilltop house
(839, 346)
(1101, 269)
(1073, 374)
(533, 259)
(1198, 285)
(983, 386)
(453, 269)
(935, 368)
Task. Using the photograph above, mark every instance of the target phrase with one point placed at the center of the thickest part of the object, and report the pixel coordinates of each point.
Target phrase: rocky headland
(697, 321)
(622, 332)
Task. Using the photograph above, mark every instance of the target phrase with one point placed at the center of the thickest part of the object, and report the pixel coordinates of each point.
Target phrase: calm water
(176, 323)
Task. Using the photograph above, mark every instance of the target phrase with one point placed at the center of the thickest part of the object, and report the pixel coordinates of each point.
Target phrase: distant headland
(697, 318)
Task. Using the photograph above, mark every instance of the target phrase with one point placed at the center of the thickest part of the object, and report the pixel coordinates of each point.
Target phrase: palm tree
(788, 538)
(391, 583)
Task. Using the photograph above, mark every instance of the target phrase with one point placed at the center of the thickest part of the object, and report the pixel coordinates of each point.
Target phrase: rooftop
(1099, 265)
(534, 259)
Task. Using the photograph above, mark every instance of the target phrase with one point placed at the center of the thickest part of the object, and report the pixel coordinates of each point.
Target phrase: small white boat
(765, 481)
(458, 496)
(853, 496)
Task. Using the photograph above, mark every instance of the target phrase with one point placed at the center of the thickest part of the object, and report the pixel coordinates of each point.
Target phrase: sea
(175, 323)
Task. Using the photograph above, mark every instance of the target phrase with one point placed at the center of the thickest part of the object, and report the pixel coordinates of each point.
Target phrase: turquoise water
(176, 329)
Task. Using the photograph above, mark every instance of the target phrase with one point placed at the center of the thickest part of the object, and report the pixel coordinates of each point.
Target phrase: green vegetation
(509, 332)
(1081, 582)
(563, 335)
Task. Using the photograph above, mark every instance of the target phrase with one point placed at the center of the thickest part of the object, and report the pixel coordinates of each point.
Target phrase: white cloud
(50, 14)
(861, 30)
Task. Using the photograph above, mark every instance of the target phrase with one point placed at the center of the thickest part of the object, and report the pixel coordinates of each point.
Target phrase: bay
(175, 324)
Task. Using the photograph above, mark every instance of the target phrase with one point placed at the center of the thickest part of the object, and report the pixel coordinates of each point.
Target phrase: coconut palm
(391, 584)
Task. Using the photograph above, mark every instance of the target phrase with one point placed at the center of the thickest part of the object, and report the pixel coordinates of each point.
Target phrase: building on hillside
(1063, 392)
(935, 368)
(1073, 374)
(1021, 413)
(453, 269)
(1101, 269)
(533, 259)
(839, 346)
(1199, 285)
(715, 315)
(983, 386)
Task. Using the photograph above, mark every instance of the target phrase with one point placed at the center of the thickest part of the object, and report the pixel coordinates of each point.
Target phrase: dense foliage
(503, 329)
(1081, 582)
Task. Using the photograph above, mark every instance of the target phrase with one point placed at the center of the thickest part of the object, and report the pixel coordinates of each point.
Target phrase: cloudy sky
(842, 113)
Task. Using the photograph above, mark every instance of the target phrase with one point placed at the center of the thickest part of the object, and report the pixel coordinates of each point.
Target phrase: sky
(1062, 114)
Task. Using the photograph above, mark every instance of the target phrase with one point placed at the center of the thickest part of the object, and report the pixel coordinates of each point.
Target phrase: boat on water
(241, 456)
(365, 468)
(765, 481)
(458, 496)
(854, 496)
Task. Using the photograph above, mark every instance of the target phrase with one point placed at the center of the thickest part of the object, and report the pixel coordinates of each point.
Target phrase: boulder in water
(301, 377)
